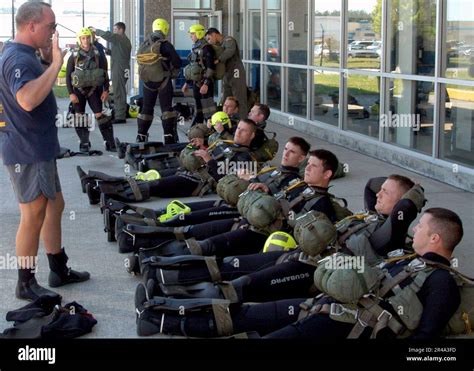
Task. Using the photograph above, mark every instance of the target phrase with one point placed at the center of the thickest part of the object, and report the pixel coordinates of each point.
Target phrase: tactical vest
(273, 178)
(150, 61)
(310, 196)
(196, 70)
(87, 72)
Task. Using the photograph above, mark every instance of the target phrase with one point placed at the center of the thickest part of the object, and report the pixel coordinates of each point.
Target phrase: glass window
(297, 23)
(326, 97)
(297, 91)
(273, 37)
(457, 129)
(327, 28)
(363, 102)
(459, 36)
(409, 121)
(273, 81)
(192, 4)
(254, 23)
(238, 20)
(364, 34)
(253, 76)
(412, 35)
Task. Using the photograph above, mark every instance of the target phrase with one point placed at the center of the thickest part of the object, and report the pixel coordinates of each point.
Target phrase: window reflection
(297, 91)
(364, 34)
(297, 21)
(457, 133)
(326, 97)
(409, 122)
(412, 34)
(459, 50)
(363, 104)
(326, 40)
(273, 80)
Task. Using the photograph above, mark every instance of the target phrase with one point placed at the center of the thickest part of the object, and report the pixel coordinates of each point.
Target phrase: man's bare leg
(27, 242)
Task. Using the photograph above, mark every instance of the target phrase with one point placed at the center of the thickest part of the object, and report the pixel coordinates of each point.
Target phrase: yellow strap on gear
(213, 145)
(148, 58)
(397, 258)
(266, 170)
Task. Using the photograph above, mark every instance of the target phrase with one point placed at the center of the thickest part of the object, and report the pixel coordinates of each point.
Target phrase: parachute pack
(150, 62)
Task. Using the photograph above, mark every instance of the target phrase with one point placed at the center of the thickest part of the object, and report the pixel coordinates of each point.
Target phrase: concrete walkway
(109, 293)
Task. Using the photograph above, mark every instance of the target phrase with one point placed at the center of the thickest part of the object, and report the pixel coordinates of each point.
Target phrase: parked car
(369, 49)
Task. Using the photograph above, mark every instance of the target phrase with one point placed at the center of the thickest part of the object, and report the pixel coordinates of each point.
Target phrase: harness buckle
(338, 310)
(385, 313)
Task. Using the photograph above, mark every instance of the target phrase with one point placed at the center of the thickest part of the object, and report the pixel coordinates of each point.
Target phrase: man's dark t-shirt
(29, 137)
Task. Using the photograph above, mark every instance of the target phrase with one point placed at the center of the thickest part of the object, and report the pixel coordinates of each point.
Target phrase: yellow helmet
(133, 111)
(148, 176)
(84, 32)
(198, 30)
(221, 117)
(279, 241)
(162, 25)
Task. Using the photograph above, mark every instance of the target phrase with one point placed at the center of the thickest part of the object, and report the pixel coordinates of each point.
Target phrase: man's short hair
(329, 160)
(212, 30)
(447, 224)
(233, 99)
(251, 123)
(264, 110)
(405, 183)
(120, 25)
(30, 12)
(300, 142)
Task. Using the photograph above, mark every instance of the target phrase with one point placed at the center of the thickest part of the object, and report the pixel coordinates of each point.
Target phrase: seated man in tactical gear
(265, 277)
(205, 168)
(87, 81)
(249, 238)
(271, 179)
(158, 64)
(423, 284)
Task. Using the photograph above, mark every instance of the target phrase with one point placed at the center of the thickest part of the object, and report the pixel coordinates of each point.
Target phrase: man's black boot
(27, 287)
(60, 274)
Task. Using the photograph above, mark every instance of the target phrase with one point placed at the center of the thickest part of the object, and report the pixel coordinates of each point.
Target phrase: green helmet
(198, 30)
(279, 241)
(198, 131)
(230, 187)
(221, 117)
(188, 160)
(162, 25)
(314, 232)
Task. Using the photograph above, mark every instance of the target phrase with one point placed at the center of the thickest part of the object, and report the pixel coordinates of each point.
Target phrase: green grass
(328, 83)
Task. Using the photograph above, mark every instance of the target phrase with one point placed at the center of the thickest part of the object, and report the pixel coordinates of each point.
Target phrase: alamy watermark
(339, 261)
(71, 120)
(400, 120)
(237, 167)
(12, 262)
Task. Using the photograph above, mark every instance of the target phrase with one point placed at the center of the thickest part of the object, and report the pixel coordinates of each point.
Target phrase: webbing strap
(213, 268)
(223, 319)
(135, 189)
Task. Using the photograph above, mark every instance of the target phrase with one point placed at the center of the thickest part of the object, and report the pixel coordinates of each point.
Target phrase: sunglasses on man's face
(52, 26)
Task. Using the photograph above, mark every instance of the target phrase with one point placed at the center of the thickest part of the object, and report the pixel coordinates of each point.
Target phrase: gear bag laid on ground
(45, 318)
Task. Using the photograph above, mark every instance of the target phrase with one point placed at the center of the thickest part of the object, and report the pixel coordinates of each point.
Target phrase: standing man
(200, 72)
(234, 81)
(31, 145)
(121, 51)
(157, 82)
